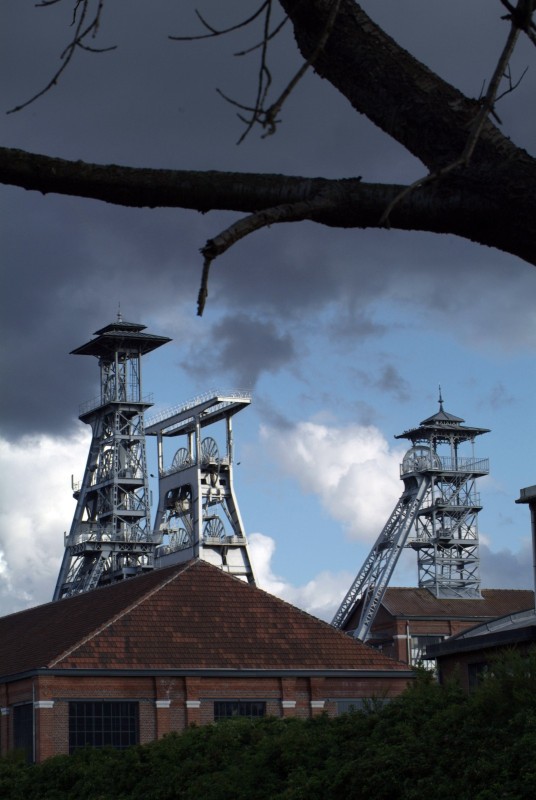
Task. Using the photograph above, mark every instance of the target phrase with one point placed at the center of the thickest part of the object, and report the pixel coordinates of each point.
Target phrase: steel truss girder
(446, 537)
(373, 578)
(110, 536)
(198, 514)
(440, 522)
(111, 524)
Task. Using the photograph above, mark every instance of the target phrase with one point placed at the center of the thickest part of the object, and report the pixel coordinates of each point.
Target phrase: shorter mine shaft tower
(198, 515)
(436, 516)
(110, 537)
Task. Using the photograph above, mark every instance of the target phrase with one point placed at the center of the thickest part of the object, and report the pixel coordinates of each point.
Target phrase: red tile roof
(189, 617)
(413, 602)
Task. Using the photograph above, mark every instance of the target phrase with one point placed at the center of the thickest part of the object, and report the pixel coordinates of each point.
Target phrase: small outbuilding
(469, 655)
(128, 663)
(411, 619)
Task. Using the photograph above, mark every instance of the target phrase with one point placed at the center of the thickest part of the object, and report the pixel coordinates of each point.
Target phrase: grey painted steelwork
(372, 580)
(528, 496)
(436, 516)
(198, 515)
(110, 537)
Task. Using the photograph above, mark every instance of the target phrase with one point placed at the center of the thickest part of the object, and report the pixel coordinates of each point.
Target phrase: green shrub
(433, 741)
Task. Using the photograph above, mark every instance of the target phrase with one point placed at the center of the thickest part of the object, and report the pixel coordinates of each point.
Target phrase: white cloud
(36, 508)
(350, 468)
(321, 596)
(355, 475)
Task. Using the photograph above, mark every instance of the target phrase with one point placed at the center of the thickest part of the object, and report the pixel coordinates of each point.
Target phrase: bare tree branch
(221, 32)
(82, 31)
(259, 45)
(486, 191)
(521, 15)
(487, 106)
(267, 118)
(288, 212)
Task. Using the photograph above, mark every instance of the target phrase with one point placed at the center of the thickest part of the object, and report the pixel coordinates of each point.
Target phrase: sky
(343, 336)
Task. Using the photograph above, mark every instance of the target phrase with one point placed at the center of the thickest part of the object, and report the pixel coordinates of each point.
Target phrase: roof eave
(211, 673)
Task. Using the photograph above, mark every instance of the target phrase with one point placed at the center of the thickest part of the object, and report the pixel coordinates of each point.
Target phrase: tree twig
(215, 32)
(287, 212)
(486, 108)
(81, 32)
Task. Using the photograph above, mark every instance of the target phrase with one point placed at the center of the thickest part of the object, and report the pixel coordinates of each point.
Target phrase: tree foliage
(476, 183)
(434, 741)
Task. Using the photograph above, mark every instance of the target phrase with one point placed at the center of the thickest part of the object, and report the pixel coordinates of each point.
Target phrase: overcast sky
(343, 336)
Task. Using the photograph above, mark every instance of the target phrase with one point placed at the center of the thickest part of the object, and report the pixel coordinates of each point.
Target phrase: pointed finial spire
(440, 399)
(119, 317)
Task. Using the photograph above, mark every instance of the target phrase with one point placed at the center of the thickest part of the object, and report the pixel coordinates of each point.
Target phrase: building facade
(183, 645)
(467, 656)
(410, 620)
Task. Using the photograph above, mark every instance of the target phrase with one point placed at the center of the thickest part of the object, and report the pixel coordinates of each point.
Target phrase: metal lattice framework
(198, 515)
(436, 515)
(373, 578)
(110, 537)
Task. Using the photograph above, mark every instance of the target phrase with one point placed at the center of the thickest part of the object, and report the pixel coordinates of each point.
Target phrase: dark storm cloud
(64, 281)
(390, 380)
(500, 396)
(294, 272)
(244, 347)
(152, 102)
(387, 379)
(507, 569)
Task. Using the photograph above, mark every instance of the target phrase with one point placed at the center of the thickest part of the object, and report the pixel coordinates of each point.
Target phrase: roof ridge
(119, 615)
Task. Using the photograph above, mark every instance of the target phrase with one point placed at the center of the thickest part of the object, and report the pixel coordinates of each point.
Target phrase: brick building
(181, 645)
(410, 619)
(469, 654)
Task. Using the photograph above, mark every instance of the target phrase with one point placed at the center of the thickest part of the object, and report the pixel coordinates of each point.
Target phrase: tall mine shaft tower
(436, 516)
(110, 537)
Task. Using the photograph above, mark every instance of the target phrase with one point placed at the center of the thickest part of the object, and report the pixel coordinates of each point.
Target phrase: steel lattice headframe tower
(198, 515)
(110, 537)
(436, 515)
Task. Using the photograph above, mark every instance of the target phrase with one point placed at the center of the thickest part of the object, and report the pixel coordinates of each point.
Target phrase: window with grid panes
(103, 723)
(227, 709)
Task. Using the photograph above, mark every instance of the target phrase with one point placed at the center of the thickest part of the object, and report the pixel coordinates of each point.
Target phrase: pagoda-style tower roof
(442, 427)
(120, 335)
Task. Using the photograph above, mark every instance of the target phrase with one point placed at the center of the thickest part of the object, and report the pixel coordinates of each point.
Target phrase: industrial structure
(436, 516)
(110, 536)
(197, 514)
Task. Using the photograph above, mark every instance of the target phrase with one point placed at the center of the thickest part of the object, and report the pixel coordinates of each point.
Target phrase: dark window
(102, 724)
(366, 704)
(225, 709)
(475, 673)
(23, 729)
